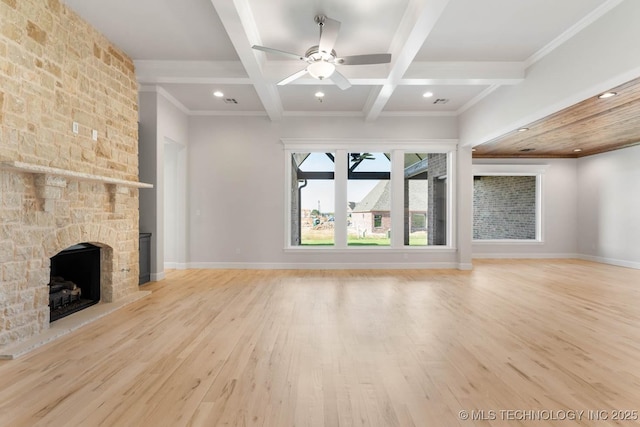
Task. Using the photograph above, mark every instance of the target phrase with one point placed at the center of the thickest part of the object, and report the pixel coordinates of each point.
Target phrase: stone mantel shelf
(39, 169)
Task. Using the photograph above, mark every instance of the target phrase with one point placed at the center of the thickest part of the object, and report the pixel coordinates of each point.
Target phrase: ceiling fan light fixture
(321, 69)
(218, 94)
(427, 94)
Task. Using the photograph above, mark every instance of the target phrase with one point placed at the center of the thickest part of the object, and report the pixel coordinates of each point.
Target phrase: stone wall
(504, 207)
(55, 70)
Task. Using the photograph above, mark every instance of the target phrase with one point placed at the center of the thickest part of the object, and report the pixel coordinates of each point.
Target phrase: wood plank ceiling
(589, 127)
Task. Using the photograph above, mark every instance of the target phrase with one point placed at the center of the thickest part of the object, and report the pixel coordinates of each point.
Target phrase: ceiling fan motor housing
(314, 54)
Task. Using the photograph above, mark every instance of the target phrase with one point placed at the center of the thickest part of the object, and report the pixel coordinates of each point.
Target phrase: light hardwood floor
(346, 348)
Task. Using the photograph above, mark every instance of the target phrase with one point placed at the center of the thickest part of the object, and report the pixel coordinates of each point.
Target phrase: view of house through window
(425, 199)
(369, 195)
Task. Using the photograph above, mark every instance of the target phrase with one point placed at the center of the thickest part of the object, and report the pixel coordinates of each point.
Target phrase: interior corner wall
(598, 58)
(464, 208)
(147, 161)
(237, 190)
(559, 214)
(173, 133)
(609, 207)
(160, 121)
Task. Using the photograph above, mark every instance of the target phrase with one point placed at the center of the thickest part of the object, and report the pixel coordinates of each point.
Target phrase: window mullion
(341, 202)
(397, 198)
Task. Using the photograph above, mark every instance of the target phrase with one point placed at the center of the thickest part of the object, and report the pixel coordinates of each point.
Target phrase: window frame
(397, 148)
(535, 170)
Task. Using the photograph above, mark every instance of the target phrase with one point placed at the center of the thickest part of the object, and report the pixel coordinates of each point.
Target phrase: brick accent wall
(56, 69)
(504, 207)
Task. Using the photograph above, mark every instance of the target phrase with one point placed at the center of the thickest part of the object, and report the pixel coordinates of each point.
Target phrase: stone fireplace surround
(68, 161)
(45, 210)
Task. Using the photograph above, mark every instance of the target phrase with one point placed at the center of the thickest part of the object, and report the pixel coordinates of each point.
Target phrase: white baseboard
(611, 261)
(157, 276)
(175, 266)
(523, 256)
(323, 266)
(602, 260)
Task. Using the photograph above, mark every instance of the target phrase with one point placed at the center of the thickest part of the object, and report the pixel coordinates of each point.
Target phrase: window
(425, 199)
(354, 196)
(369, 198)
(507, 202)
(312, 199)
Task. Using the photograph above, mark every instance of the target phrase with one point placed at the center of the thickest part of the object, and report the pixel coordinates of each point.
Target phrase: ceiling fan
(322, 58)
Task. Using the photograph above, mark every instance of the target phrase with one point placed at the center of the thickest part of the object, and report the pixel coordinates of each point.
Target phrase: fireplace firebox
(75, 280)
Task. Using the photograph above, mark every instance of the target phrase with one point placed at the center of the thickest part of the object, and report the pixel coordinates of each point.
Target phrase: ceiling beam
(422, 73)
(198, 72)
(417, 23)
(464, 73)
(241, 27)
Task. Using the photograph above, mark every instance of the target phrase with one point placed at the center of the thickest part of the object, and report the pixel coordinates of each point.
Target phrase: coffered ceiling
(459, 50)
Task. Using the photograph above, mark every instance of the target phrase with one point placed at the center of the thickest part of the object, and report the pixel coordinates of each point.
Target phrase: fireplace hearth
(75, 280)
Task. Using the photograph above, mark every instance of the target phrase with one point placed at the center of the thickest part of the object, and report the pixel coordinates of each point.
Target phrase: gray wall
(237, 183)
(609, 207)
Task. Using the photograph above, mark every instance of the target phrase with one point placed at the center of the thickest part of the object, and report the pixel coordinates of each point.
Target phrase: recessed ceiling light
(577, 150)
(523, 129)
(427, 94)
(218, 94)
(319, 94)
(607, 95)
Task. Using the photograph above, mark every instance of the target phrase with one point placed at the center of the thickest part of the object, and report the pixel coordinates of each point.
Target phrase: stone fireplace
(68, 160)
(46, 211)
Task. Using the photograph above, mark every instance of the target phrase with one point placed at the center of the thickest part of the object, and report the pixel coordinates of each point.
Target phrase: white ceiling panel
(199, 97)
(367, 26)
(410, 98)
(160, 29)
(302, 98)
(500, 30)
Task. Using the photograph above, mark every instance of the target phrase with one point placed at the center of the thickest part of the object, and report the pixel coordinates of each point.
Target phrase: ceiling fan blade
(329, 29)
(375, 58)
(340, 80)
(279, 52)
(292, 77)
